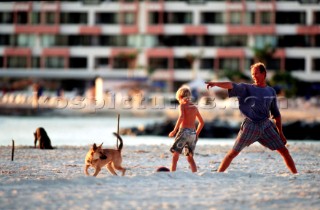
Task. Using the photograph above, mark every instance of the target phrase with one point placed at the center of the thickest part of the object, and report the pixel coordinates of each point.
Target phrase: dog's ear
(94, 146)
(100, 145)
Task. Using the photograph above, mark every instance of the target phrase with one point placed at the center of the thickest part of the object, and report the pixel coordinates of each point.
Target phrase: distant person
(40, 91)
(185, 132)
(35, 95)
(195, 94)
(60, 92)
(256, 102)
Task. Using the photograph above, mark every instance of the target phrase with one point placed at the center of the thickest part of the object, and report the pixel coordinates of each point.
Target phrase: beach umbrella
(197, 83)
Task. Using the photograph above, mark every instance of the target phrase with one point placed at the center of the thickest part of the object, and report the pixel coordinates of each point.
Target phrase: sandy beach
(257, 179)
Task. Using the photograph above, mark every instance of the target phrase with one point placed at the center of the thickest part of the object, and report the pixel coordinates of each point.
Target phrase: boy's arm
(224, 85)
(201, 123)
(178, 123)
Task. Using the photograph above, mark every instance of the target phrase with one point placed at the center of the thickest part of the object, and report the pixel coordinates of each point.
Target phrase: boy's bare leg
(227, 160)
(288, 159)
(175, 158)
(193, 165)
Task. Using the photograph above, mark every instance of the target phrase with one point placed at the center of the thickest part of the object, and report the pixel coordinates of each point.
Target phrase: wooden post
(118, 130)
(12, 151)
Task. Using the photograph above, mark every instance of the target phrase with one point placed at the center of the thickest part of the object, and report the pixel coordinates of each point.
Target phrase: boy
(187, 135)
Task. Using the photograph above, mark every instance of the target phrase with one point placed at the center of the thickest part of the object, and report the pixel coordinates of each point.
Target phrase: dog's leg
(111, 169)
(97, 170)
(117, 165)
(35, 140)
(86, 167)
(120, 168)
(41, 143)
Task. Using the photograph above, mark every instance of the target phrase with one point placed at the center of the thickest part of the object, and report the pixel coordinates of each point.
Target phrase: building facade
(168, 42)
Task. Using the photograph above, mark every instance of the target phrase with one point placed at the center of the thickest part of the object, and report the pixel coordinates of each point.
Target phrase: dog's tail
(120, 139)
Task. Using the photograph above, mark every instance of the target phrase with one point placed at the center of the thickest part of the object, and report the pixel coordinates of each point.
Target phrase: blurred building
(169, 42)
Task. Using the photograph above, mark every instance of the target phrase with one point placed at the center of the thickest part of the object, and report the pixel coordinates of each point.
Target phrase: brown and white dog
(98, 157)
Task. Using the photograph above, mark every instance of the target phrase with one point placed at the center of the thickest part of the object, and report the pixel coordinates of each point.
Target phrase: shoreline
(222, 109)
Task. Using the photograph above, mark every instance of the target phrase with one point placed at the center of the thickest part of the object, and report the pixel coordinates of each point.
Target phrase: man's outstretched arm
(224, 85)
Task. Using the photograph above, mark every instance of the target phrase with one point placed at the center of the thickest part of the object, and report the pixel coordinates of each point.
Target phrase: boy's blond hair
(183, 92)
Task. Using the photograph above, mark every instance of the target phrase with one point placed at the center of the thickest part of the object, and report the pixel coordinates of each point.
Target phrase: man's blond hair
(262, 68)
(183, 92)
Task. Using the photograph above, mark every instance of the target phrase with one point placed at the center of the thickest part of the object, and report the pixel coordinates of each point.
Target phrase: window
(293, 64)
(196, 2)
(78, 62)
(309, 1)
(107, 18)
(294, 41)
(4, 39)
(151, 41)
(119, 40)
(85, 40)
(129, 18)
(183, 40)
(153, 18)
(47, 40)
(91, 2)
(25, 40)
(266, 18)
(317, 42)
(158, 63)
(249, 18)
(22, 18)
(50, 18)
(316, 64)
(273, 64)
(213, 18)
(17, 62)
(13, 40)
(73, 18)
(120, 63)
(208, 40)
(135, 41)
(235, 18)
(61, 40)
(229, 64)
(35, 62)
(207, 63)
(182, 63)
(35, 18)
(102, 63)
(316, 18)
(230, 40)
(54, 62)
(235, 41)
(261, 41)
(291, 18)
(178, 17)
(6, 17)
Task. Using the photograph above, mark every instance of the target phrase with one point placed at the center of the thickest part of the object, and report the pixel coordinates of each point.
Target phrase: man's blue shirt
(255, 103)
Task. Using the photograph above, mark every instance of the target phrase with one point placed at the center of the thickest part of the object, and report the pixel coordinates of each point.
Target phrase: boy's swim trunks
(185, 138)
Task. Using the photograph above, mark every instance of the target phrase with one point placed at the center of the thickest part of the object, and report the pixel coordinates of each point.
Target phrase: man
(256, 102)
